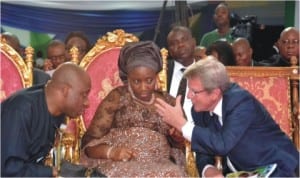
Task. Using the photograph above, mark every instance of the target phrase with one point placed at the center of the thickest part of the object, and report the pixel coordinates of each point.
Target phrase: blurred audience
(223, 30)
(39, 76)
(223, 51)
(243, 52)
(79, 40)
(199, 52)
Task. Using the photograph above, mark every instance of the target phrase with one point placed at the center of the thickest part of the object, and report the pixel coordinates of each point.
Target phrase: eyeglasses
(194, 93)
(290, 42)
(59, 57)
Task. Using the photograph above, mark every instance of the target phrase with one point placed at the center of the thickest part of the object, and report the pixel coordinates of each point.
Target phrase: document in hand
(261, 172)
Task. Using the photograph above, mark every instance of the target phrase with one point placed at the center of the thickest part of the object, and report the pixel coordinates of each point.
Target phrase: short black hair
(79, 34)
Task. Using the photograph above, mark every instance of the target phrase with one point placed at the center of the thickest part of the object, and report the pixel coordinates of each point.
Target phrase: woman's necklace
(141, 101)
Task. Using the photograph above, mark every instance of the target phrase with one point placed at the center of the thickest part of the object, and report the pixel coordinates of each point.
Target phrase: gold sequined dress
(123, 121)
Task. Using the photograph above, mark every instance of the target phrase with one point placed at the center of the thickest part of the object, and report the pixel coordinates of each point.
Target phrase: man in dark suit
(288, 44)
(181, 46)
(229, 122)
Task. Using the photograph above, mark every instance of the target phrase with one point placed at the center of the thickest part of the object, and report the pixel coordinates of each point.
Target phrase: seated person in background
(13, 41)
(229, 122)
(79, 40)
(243, 52)
(288, 44)
(127, 136)
(39, 76)
(199, 52)
(222, 51)
(30, 118)
(55, 56)
(181, 46)
(223, 30)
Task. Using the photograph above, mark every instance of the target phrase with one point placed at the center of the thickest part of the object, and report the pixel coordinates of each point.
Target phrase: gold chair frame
(71, 143)
(24, 67)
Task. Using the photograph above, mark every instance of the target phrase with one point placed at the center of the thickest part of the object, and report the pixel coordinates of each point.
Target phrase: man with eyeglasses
(229, 122)
(55, 56)
(288, 44)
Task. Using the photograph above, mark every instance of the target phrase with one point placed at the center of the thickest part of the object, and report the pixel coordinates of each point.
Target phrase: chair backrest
(101, 63)
(15, 73)
(274, 87)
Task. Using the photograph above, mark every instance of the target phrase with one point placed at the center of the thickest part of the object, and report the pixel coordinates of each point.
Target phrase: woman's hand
(213, 172)
(121, 154)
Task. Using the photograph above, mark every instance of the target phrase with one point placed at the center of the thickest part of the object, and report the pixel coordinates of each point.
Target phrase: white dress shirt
(187, 131)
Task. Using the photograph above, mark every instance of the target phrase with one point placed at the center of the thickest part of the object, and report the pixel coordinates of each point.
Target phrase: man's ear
(65, 90)
(217, 93)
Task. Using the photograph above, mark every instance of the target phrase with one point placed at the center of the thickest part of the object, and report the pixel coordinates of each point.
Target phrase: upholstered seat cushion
(11, 80)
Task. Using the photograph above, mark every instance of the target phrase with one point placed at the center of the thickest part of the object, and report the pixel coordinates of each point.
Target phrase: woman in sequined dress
(127, 137)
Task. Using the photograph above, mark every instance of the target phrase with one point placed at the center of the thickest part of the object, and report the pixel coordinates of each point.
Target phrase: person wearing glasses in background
(288, 44)
(55, 56)
(229, 122)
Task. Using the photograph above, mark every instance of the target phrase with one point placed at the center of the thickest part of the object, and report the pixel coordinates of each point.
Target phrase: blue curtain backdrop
(94, 23)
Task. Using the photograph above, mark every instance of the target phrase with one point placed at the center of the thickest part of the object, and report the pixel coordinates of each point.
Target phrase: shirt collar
(178, 66)
(218, 109)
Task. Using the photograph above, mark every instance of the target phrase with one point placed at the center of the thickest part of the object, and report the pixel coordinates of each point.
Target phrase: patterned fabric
(139, 127)
(272, 92)
(144, 53)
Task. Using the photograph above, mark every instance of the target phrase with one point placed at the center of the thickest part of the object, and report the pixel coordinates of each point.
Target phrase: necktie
(182, 87)
(216, 121)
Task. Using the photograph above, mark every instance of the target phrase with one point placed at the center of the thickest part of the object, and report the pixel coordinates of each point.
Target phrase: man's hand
(172, 115)
(48, 65)
(54, 172)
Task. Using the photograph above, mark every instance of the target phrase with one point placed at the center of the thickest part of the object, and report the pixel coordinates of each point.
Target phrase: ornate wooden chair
(101, 63)
(15, 73)
(277, 89)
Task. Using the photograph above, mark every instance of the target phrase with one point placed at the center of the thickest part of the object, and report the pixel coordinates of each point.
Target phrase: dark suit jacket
(170, 68)
(40, 77)
(275, 61)
(249, 136)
